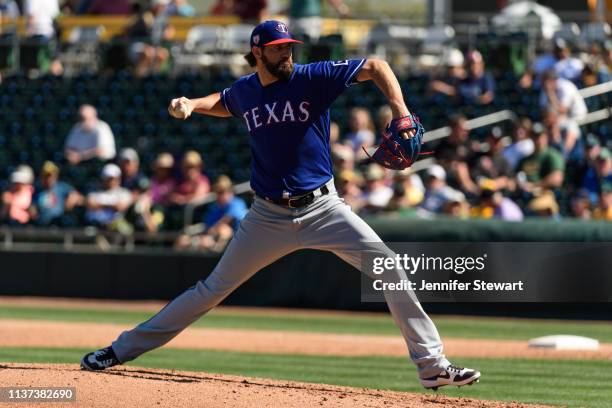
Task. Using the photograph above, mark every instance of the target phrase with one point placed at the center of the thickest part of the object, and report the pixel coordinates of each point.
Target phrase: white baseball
(180, 110)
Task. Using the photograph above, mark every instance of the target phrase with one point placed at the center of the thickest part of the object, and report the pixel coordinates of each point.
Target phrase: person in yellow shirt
(604, 208)
(493, 204)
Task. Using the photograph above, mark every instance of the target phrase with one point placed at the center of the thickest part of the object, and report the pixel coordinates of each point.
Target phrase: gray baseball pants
(267, 233)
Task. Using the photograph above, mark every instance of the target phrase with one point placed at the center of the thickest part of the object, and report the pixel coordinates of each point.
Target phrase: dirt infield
(139, 387)
(23, 333)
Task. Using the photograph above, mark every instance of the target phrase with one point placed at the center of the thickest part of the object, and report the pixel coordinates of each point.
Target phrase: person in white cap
(437, 192)
(129, 162)
(478, 87)
(17, 201)
(377, 193)
(109, 204)
(444, 87)
(90, 138)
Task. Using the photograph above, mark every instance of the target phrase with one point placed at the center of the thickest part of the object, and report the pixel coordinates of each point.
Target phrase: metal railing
(87, 238)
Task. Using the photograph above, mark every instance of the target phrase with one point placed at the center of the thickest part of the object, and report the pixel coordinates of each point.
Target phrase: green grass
(466, 327)
(567, 382)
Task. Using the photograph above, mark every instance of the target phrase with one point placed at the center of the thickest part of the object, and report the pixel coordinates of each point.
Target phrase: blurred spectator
(343, 157)
(89, 138)
(455, 152)
(251, 11)
(376, 194)
(576, 172)
(596, 71)
(163, 183)
(194, 185)
(143, 215)
(129, 162)
(222, 8)
(456, 205)
(559, 61)
(607, 56)
(40, 15)
(437, 192)
(17, 201)
(347, 183)
(595, 74)
(53, 199)
(305, 17)
(9, 9)
(545, 205)
(581, 205)
(334, 133)
(562, 96)
(522, 143)
(494, 205)
(105, 7)
(384, 115)
(361, 130)
(492, 164)
(150, 36)
(478, 87)
(40, 18)
(598, 174)
(604, 207)
(542, 170)
(105, 208)
(447, 85)
(71, 7)
(408, 191)
(180, 8)
(566, 66)
(564, 136)
(221, 220)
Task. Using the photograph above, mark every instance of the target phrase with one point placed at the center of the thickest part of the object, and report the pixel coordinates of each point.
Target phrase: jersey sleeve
(229, 98)
(336, 76)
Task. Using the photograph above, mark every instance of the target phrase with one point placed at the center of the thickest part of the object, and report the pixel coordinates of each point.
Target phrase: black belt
(298, 202)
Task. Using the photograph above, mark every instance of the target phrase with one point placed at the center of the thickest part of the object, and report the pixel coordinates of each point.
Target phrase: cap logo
(256, 39)
(281, 28)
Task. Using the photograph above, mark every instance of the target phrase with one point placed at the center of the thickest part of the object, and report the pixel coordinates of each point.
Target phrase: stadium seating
(36, 115)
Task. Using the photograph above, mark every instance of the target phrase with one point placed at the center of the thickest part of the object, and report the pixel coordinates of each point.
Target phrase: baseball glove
(398, 150)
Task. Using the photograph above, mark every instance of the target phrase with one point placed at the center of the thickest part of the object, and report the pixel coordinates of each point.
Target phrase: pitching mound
(139, 387)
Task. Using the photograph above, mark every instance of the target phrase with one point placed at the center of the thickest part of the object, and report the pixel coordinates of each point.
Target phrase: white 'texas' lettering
(288, 112)
(255, 117)
(271, 114)
(246, 119)
(304, 110)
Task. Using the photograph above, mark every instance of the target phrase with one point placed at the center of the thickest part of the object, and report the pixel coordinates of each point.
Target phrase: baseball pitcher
(285, 108)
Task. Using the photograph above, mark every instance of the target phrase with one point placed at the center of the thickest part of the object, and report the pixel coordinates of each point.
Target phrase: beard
(282, 69)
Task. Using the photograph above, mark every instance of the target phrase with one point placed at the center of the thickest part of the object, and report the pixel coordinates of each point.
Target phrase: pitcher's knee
(213, 291)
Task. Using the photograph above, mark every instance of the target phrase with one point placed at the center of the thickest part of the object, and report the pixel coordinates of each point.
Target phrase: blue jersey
(288, 123)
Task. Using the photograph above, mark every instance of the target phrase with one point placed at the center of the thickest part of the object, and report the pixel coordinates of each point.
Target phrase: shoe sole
(469, 381)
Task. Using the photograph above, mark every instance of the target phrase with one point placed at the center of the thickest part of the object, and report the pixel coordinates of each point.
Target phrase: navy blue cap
(271, 32)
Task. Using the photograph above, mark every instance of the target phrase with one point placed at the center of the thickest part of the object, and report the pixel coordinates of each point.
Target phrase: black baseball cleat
(99, 359)
(452, 375)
